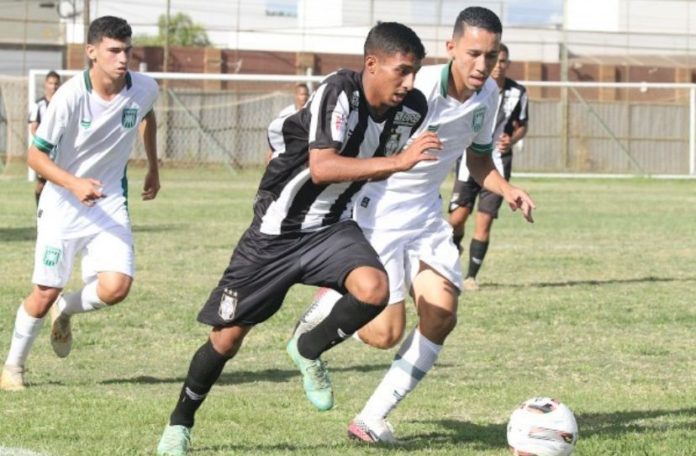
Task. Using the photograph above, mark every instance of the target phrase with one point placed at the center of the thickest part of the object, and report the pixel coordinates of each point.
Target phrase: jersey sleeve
(34, 113)
(54, 122)
(329, 110)
(483, 141)
(521, 110)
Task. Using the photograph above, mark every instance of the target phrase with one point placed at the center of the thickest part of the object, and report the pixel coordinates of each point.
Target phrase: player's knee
(385, 339)
(40, 300)
(372, 289)
(440, 321)
(113, 292)
(227, 341)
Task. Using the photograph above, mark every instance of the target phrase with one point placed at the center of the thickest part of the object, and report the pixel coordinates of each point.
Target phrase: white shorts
(401, 252)
(109, 250)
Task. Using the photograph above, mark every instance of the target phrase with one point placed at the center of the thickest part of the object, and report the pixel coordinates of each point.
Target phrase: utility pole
(167, 17)
(565, 115)
(85, 24)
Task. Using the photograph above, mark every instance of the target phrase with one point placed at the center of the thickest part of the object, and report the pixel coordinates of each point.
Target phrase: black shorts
(464, 193)
(264, 267)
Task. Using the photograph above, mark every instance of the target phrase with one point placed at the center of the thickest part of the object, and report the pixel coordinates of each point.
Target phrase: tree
(182, 32)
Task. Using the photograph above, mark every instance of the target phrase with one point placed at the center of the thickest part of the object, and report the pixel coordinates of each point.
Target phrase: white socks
(25, 331)
(85, 300)
(415, 358)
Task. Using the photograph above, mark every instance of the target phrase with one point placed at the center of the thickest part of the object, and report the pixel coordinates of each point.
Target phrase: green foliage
(592, 304)
(182, 32)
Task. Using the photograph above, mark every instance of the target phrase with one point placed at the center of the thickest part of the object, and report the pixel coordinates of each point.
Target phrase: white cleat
(372, 431)
(61, 334)
(12, 378)
(470, 284)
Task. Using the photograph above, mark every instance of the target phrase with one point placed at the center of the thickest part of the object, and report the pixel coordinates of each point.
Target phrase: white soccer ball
(542, 426)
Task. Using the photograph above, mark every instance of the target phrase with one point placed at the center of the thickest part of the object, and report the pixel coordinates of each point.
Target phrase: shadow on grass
(153, 228)
(630, 422)
(239, 377)
(27, 233)
(576, 283)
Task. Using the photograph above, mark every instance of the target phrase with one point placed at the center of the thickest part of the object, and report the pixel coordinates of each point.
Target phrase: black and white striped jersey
(336, 117)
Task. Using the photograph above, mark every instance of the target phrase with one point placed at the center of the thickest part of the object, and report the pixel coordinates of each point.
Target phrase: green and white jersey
(91, 138)
(406, 199)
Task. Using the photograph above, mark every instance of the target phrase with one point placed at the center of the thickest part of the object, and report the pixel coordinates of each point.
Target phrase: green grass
(593, 304)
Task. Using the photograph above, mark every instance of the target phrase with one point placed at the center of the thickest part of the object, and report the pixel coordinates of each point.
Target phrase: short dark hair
(52, 74)
(392, 38)
(504, 49)
(108, 27)
(302, 85)
(477, 16)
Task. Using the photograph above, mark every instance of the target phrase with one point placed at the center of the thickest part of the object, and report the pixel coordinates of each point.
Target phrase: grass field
(593, 304)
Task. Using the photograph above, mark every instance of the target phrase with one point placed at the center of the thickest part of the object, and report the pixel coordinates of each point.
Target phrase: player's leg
(204, 371)
(489, 204)
(107, 272)
(434, 261)
(53, 260)
(461, 205)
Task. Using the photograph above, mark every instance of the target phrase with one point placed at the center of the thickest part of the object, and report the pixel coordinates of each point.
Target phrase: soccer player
(92, 122)
(402, 218)
(510, 127)
(38, 111)
(301, 97)
(349, 132)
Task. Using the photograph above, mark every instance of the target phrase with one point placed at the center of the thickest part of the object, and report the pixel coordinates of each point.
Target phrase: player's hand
(151, 186)
(87, 190)
(422, 148)
(504, 143)
(519, 199)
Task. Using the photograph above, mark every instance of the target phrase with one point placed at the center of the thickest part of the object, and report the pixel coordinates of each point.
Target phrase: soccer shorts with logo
(264, 267)
(401, 252)
(465, 192)
(108, 250)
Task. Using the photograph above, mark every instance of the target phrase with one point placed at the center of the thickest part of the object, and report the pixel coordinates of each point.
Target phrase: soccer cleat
(470, 284)
(61, 334)
(324, 300)
(372, 431)
(315, 377)
(12, 378)
(175, 441)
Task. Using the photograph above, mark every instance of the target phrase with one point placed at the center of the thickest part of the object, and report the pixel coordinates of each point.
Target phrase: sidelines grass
(593, 304)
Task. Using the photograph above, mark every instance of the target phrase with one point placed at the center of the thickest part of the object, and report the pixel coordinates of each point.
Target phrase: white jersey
(407, 199)
(288, 110)
(91, 138)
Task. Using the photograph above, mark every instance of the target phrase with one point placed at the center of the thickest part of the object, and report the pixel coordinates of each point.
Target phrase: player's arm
(483, 171)
(151, 186)
(86, 190)
(328, 166)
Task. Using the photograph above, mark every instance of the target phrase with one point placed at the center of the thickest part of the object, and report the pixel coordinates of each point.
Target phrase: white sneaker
(12, 378)
(470, 284)
(61, 334)
(371, 431)
(324, 300)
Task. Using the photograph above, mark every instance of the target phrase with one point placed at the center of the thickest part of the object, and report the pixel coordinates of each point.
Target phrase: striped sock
(415, 358)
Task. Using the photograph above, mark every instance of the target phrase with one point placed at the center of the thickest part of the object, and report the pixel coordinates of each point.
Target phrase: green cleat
(316, 381)
(175, 441)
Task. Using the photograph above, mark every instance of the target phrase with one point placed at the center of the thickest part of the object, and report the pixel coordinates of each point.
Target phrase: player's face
(111, 56)
(50, 86)
(393, 76)
(473, 54)
(500, 69)
(301, 96)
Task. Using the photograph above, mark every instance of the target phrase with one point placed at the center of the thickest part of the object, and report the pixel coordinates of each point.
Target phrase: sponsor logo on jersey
(365, 201)
(408, 119)
(85, 123)
(477, 121)
(392, 145)
(129, 117)
(434, 127)
(228, 304)
(338, 125)
(51, 256)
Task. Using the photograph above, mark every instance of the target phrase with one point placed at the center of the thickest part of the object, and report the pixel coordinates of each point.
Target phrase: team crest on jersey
(129, 117)
(392, 144)
(228, 304)
(85, 123)
(477, 122)
(51, 256)
(408, 119)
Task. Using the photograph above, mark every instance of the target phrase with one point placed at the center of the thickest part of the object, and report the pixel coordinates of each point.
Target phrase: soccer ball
(542, 426)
